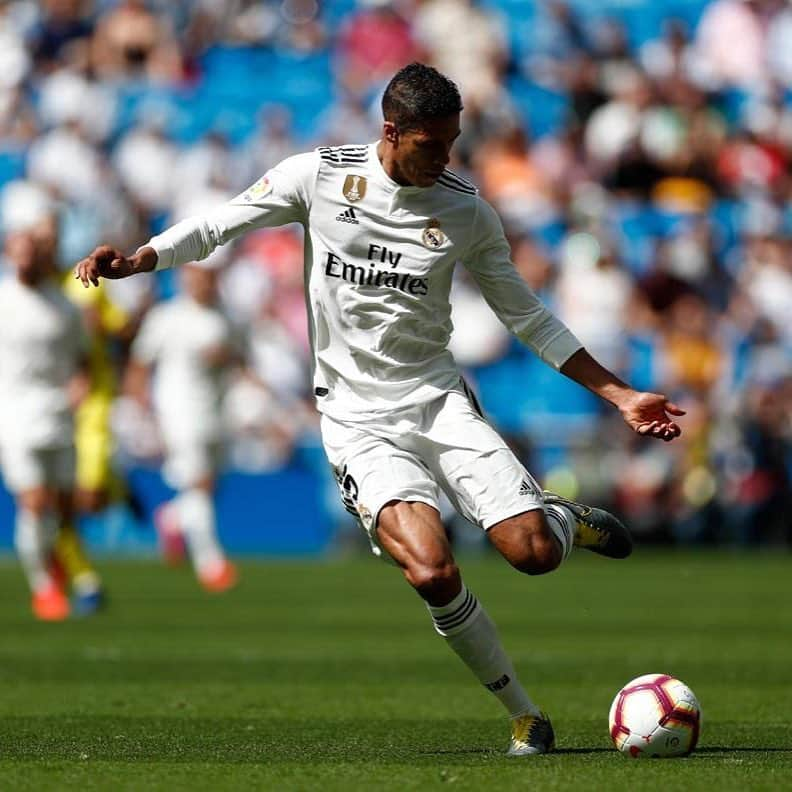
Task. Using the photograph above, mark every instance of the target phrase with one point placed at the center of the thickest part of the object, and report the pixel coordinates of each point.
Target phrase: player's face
(200, 284)
(421, 154)
(32, 252)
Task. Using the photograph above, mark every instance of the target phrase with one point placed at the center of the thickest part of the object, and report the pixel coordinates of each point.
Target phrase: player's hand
(77, 390)
(109, 262)
(649, 414)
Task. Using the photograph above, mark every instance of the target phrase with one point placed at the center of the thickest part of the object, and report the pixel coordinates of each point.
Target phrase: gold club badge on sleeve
(354, 187)
(433, 236)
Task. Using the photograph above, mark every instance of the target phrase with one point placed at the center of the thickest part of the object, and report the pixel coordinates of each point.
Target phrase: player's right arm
(282, 196)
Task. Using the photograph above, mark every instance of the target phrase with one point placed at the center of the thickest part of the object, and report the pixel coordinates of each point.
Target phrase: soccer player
(191, 344)
(42, 379)
(97, 483)
(385, 225)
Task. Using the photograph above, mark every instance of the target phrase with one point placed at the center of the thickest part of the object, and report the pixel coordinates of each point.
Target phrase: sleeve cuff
(164, 255)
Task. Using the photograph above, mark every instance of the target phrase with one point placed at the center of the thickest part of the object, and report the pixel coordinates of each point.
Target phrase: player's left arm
(488, 258)
(646, 413)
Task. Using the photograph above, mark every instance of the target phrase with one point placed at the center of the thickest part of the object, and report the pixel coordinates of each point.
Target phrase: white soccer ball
(655, 716)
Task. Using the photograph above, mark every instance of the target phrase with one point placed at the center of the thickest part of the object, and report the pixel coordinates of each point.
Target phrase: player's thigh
(481, 475)
(372, 471)
(94, 446)
(190, 462)
(26, 476)
(61, 465)
(412, 533)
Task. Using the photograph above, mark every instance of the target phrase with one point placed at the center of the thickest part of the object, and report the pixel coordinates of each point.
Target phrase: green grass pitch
(329, 676)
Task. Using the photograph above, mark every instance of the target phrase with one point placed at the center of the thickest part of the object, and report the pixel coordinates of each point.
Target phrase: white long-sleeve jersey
(379, 259)
(42, 341)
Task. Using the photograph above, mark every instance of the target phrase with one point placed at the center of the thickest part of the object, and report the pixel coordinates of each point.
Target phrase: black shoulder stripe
(344, 155)
(344, 151)
(456, 187)
(463, 183)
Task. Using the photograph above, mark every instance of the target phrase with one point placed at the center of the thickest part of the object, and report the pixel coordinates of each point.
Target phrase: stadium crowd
(640, 157)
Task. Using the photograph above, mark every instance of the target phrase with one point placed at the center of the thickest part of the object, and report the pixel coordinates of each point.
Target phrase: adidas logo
(525, 488)
(348, 216)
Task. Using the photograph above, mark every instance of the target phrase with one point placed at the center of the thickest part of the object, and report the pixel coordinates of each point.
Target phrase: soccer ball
(655, 716)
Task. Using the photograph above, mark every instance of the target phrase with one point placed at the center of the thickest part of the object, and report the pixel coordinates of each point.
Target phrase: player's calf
(594, 529)
(530, 542)
(435, 582)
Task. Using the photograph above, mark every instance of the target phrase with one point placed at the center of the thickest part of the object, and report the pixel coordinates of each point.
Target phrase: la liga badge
(258, 190)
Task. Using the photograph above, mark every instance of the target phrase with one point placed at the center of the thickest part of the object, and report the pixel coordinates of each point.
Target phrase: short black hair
(419, 93)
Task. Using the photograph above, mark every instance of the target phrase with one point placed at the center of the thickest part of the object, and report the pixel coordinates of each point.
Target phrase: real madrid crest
(365, 515)
(354, 187)
(433, 236)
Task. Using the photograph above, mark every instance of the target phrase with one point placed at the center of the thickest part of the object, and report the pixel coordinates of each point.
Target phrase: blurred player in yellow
(43, 377)
(97, 483)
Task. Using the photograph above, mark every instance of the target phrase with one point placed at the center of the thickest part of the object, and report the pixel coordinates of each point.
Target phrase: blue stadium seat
(12, 164)
(543, 111)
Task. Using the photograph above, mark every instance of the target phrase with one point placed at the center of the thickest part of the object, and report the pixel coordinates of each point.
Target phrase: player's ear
(390, 132)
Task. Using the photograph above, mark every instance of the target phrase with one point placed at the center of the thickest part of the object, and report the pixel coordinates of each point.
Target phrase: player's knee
(539, 556)
(35, 501)
(434, 581)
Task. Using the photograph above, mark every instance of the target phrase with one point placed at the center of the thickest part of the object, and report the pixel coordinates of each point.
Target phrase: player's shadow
(709, 752)
(582, 750)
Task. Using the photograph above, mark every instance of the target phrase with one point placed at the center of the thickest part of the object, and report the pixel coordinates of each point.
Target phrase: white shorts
(413, 453)
(191, 460)
(28, 468)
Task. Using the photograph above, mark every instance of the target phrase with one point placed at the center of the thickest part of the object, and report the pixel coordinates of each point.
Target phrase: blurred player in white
(42, 379)
(386, 223)
(189, 346)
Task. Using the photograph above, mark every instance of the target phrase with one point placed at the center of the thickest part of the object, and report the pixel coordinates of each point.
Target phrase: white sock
(563, 524)
(33, 539)
(196, 514)
(470, 632)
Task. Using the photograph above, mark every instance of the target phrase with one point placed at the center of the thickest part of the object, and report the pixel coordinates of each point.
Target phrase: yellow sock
(70, 553)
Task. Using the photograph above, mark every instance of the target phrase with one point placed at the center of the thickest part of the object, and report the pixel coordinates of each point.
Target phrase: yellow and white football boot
(531, 734)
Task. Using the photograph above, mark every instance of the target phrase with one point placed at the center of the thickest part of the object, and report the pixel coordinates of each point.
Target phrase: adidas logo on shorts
(525, 488)
(348, 216)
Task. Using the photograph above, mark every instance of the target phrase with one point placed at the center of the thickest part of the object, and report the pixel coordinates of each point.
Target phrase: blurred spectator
(130, 42)
(724, 23)
(62, 24)
(779, 47)
(757, 490)
(15, 59)
(767, 279)
(465, 42)
(146, 161)
(65, 159)
(593, 295)
(373, 43)
(512, 181)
